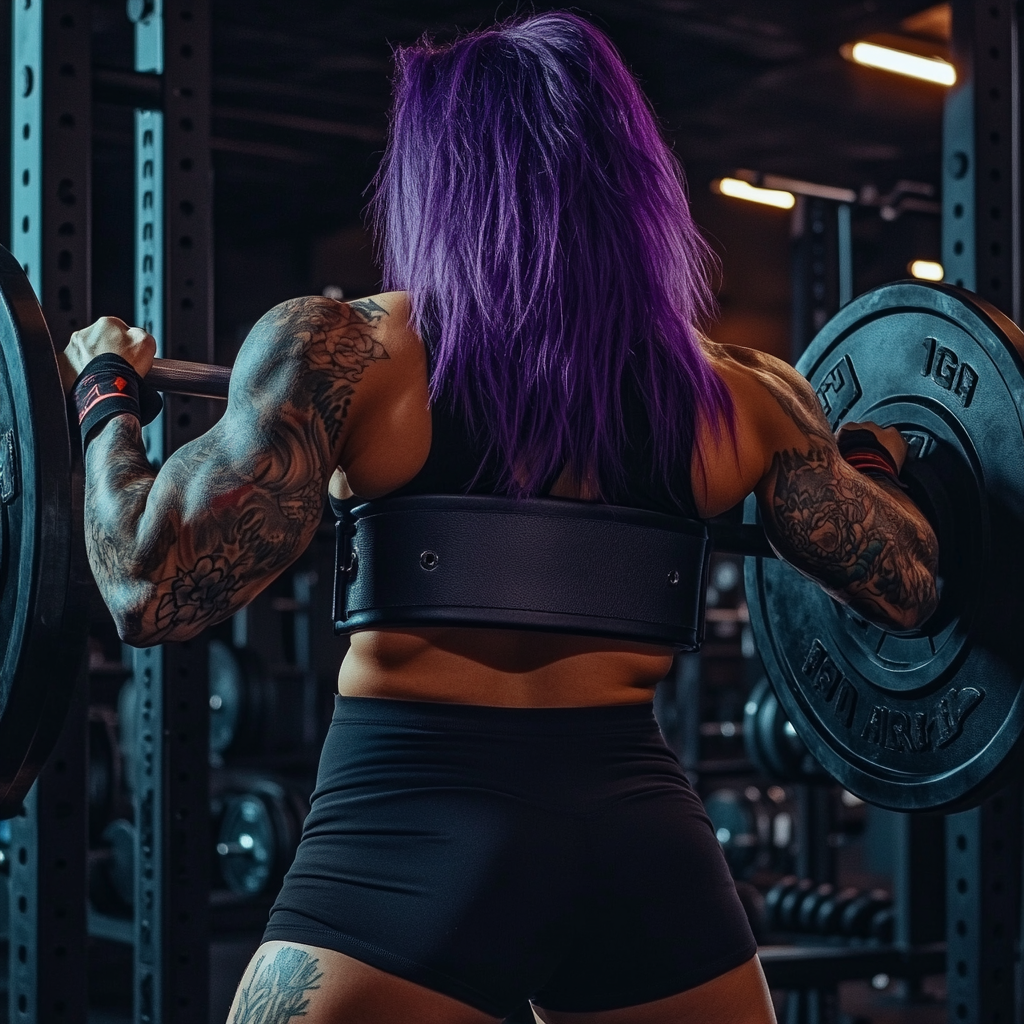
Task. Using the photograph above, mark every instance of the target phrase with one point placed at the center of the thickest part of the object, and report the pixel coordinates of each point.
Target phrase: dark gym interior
(863, 913)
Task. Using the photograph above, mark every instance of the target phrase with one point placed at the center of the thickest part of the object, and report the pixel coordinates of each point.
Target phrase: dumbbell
(734, 820)
(787, 916)
(772, 899)
(112, 870)
(771, 742)
(780, 900)
(807, 912)
(857, 917)
(831, 909)
(252, 711)
(883, 924)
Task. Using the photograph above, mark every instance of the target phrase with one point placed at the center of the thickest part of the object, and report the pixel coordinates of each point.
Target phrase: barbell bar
(178, 377)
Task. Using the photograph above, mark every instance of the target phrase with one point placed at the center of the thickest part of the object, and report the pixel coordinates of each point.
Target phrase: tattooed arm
(176, 551)
(861, 539)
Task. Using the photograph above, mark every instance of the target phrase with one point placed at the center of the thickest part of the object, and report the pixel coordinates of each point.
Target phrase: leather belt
(547, 564)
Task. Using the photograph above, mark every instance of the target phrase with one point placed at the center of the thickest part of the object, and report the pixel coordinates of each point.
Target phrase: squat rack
(52, 90)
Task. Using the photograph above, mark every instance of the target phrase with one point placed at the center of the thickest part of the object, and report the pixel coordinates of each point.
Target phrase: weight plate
(42, 605)
(927, 719)
(772, 744)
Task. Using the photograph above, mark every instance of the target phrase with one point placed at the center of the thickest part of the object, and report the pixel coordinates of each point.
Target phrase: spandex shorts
(496, 854)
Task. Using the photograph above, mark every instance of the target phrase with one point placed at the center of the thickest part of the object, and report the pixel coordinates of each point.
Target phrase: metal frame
(983, 867)
(51, 153)
(50, 220)
(174, 258)
(822, 265)
(981, 247)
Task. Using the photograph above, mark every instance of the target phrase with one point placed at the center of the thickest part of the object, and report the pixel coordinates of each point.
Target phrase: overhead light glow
(738, 189)
(930, 69)
(927, 270)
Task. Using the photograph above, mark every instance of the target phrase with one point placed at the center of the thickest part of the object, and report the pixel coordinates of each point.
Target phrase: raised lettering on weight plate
(949, 372)
(918, 731)
(838, 391)
(8, 468)
(828, 680)
(897, 730)
(919, 443)
(953, 709)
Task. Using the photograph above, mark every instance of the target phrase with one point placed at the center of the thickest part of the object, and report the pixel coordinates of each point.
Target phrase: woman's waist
(386, 753)
(501, 668)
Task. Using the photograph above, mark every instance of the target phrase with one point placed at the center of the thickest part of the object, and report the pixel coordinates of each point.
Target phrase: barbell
(927, 719)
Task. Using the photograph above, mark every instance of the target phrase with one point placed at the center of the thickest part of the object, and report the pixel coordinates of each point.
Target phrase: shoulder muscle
(308, 356)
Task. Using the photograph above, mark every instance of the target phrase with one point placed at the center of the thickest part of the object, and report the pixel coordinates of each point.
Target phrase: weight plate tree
(930, 718)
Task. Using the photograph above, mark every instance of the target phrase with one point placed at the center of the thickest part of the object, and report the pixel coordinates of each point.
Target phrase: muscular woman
(496, 816)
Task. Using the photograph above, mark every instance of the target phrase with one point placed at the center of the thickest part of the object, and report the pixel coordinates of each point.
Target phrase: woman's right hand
(890, 437)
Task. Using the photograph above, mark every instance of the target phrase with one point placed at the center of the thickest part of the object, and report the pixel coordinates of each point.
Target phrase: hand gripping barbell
(924, 719)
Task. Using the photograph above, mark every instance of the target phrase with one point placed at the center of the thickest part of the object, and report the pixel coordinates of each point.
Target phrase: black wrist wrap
(862, 450)
(107, 387)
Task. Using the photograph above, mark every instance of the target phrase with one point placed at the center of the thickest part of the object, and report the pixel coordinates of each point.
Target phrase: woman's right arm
(860, 538)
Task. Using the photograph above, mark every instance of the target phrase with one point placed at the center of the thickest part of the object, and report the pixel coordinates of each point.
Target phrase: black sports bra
(457, 462)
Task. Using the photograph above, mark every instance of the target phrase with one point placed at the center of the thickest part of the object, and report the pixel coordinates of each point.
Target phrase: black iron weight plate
(929, 719)
(42, 605)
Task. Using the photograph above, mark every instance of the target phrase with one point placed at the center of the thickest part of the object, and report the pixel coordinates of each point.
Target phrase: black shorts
(498, 854)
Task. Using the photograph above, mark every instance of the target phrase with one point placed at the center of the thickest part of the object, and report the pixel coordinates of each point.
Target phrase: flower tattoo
(204, 591)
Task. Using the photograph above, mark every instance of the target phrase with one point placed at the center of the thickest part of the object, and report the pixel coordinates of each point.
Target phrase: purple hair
(530, 206)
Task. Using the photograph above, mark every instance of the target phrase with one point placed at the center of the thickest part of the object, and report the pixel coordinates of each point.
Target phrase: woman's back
(388, 432)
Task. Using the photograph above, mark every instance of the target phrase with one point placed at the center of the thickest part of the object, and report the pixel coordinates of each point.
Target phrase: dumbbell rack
(807, 963)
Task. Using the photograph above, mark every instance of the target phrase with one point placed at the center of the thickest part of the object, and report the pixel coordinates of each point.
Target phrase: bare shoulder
(389, 315)
(320, 344)
(769, 404)
(764, 386)
(322, 330)
(772, 400)
(383, 323)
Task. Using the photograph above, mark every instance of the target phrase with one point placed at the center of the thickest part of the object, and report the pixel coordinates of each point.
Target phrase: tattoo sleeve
(862, 540)
(176, 551)
(852, 535)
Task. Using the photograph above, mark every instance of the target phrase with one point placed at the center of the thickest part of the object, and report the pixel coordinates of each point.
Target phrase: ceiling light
(930, 69)
(744, 190)
(927, 270)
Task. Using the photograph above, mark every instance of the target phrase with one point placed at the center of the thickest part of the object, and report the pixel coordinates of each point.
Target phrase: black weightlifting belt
(555, 565)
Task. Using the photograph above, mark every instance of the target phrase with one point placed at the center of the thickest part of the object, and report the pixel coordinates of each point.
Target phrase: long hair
(530, 206)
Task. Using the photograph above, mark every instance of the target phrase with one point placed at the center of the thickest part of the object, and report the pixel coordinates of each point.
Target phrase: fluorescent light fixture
(930, 69)
(927, 270)
(744, 190)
